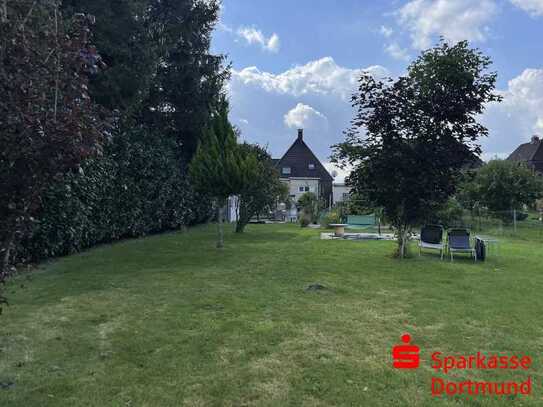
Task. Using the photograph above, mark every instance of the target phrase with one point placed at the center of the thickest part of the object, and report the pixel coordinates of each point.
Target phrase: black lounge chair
(431, 237)
(459, 242)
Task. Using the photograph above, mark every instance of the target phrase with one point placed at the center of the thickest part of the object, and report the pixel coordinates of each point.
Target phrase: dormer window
(311, 166)
(285, 171)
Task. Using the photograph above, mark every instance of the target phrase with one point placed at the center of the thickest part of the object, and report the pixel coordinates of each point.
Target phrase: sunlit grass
(169, 320)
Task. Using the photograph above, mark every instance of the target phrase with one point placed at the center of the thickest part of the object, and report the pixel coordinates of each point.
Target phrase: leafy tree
(189, 79)
(420, 130)
(215, 169)
(48, 123)
(161, 73)
(123, 35)
(358, 204)
(261, 187)
(502, 185)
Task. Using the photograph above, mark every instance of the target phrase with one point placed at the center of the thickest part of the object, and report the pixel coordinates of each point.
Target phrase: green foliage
(48, 122)
(186, 86)
(137, 188)
(502, 185)
(327, 218)
(309, 204)
(217, 168)
(161, 85)
(261, 188)
(358, 204)
(122, 34)
(449, 214)
(420, 131)
(160, 69)
(305, 219)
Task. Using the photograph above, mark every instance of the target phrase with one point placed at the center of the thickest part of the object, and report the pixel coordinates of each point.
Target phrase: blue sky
(295, 63)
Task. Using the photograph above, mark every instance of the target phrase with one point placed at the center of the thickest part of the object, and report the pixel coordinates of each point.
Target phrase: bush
(309, 204)
(330, 217)
(522, 216)
(137, 188)
(305, 219)
(450, 214)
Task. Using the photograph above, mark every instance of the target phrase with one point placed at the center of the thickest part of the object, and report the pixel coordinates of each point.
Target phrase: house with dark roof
(531, 153)
(302, 171)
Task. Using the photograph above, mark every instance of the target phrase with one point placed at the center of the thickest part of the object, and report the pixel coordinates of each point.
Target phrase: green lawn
(169, 320)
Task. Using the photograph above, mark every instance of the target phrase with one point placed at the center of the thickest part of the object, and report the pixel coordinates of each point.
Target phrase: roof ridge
(320, 170)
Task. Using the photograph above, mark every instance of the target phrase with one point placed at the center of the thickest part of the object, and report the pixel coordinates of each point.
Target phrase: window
(301, 189)
(311, 166)
(304, 189)
(345, 196)
(286, 170)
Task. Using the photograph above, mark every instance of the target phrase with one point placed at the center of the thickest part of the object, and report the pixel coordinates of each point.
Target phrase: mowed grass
(169, 320)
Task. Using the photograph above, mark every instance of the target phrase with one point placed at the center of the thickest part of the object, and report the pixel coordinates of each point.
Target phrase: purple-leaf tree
(48, 123)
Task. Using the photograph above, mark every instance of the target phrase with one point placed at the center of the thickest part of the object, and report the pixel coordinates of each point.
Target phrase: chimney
(300, 134)
(535, 139)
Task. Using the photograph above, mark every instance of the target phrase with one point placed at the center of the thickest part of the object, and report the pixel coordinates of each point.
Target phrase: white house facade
(341, 192)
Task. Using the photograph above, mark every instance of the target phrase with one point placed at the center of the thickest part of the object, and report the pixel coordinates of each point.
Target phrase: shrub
(309, 204)
(137, 188)
(305, 219)
(450, 214)
(330, 217)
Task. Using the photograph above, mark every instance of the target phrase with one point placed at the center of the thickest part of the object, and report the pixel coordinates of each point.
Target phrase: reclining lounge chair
(459, 242)
(431, 237)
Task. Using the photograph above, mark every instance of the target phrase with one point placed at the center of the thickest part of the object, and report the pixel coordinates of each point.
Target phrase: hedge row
(138, 187)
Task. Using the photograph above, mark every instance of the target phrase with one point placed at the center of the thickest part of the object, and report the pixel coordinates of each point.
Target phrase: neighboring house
(341, 192)
(302, 171)
(531, 153)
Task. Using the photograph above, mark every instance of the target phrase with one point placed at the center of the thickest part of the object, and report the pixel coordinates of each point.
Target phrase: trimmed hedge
(138, 187)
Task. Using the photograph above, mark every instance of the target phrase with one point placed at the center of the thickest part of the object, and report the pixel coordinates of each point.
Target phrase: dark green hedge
(138, 187)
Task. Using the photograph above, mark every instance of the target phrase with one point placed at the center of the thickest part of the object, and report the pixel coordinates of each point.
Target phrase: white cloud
(386, 31)
(341, 173)
(324, 87)
(534, 7)
(455, 20)
(524, 97)
(518, 116)
(224, 27)
(273, 43)
(315, 96)
(304, 116)
(255, 36)
(395, 51)
(322, 76)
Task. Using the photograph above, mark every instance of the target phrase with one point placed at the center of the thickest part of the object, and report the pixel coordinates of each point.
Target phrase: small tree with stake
(215, 169)
(420, 130)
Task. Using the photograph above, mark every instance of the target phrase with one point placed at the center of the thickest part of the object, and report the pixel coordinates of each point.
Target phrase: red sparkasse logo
(407, 356)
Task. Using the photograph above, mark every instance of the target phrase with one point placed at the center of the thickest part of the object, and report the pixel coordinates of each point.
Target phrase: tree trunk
(220, 231)
(403, 237)
(6, 253)
(240, 226)
(243, 217)
(4, 11)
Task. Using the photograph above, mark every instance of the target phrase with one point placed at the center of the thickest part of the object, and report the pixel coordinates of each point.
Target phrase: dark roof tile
(530, 153)
(298, 157)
